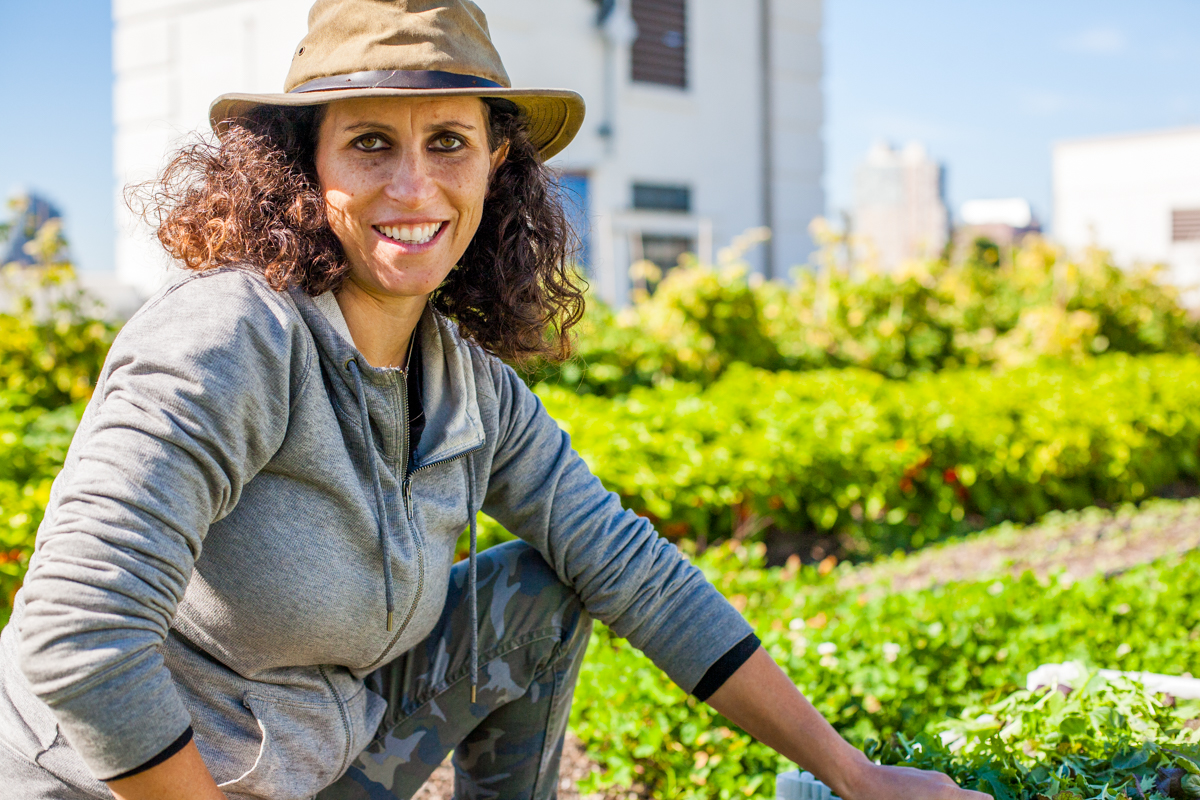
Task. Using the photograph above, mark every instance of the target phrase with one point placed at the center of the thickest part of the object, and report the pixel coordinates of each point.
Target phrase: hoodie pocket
(305, 745)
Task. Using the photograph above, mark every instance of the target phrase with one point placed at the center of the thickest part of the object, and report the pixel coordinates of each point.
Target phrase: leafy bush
(926, 317)
(52, 345)
(886, 464)
(33, 445)
(875, 663)
(1103, 740)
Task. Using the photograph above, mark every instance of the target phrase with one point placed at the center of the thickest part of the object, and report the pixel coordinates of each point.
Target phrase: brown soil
(1079, 544)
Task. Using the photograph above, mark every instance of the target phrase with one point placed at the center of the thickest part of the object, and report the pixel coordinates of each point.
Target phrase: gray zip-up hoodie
(213, 553)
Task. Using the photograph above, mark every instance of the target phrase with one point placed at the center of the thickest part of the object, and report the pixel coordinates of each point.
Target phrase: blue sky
(987, 86)
(56, 123)
(990, 86)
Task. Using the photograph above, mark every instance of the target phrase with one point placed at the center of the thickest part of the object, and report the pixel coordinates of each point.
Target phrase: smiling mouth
(411, 234)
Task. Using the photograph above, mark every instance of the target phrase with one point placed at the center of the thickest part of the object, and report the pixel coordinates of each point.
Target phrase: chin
(399, 283)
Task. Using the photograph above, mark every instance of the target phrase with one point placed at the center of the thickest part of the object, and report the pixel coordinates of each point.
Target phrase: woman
(243, 585)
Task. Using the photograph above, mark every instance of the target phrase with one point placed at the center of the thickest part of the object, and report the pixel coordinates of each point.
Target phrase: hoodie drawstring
(472, 582)
(380, 505)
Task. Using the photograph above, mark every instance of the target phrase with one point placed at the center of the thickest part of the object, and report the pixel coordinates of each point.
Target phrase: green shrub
(875, 663)
(926, 317)
(53, 339)
(33, 445)
(890, 464)
(52, 345)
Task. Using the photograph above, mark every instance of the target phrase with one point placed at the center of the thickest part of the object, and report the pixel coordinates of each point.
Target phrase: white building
(1006, 221)
(1136, 195)
(899, 205)
(704, 116)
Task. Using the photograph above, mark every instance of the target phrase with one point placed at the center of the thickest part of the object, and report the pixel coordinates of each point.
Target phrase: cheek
(469, 190)
(343, 185)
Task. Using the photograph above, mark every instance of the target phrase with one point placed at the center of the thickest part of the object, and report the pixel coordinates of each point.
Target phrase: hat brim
(554, 115)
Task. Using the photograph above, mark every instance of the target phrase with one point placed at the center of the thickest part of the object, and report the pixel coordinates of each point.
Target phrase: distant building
(1004, 221)
(899, 204)
(703, 121)
(35, 212)
(1136, 195)
(116, 300)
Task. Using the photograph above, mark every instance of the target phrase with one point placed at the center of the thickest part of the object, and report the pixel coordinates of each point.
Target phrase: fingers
(955, 791)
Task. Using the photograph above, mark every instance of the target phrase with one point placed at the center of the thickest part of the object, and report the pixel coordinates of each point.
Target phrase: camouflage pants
(533, 632)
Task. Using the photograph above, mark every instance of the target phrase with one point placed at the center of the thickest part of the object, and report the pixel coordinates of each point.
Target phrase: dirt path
(1080, 543)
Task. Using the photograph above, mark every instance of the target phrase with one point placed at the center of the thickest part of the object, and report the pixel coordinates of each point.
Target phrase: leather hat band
(397, 79)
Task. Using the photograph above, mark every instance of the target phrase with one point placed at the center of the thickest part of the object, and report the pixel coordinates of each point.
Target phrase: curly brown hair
(251, 198)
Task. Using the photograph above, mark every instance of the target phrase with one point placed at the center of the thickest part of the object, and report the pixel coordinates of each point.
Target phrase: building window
(657, 197)
(1185, 225)
(663, 249)
(660, 50)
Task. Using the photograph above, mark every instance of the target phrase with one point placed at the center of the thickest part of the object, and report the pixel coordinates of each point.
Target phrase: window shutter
(660, 50)
(1185, 225)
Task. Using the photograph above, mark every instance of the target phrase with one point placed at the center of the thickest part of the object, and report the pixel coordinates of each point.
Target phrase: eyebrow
(381, 126)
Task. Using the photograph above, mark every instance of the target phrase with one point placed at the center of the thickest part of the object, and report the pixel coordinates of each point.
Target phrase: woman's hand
(763, 701)
(875, 782)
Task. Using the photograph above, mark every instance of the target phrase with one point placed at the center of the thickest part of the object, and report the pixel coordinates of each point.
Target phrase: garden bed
(879, 663)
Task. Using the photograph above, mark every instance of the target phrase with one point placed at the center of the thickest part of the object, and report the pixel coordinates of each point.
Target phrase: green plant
(877, 663)
(890, 464)
(53, 339)
(52, 345)
(1103, 740)
(929, 316)
(33, 445)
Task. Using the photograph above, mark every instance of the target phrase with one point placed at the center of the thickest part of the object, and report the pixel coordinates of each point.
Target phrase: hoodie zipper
(408, 505)
(408, 513)
(416, 534)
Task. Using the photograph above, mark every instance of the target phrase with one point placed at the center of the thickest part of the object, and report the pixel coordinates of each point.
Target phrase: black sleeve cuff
(726, 665)
(171, 750)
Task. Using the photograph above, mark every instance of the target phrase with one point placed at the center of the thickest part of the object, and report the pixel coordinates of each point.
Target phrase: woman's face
(404, 183)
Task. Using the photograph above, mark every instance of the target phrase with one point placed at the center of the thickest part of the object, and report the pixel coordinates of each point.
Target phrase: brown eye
(371, 143)
(448, 142)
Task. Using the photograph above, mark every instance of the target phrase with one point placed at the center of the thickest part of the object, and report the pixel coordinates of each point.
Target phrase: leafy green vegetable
(878, 663)
(889, 464)
(1104, 740)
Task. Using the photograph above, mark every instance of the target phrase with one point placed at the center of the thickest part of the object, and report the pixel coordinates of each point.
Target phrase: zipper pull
(408, 508)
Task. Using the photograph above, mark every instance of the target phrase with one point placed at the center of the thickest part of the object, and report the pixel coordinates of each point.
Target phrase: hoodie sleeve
(630, 578)
(193, 401)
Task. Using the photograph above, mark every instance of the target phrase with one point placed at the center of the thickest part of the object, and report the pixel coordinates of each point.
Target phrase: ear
(498, 158)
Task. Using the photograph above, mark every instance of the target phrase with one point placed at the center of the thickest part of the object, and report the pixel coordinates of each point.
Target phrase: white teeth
(410, 234)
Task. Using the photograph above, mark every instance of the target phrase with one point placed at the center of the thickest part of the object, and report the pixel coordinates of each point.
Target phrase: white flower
(796, 624)
(827, 648)
(891, 651)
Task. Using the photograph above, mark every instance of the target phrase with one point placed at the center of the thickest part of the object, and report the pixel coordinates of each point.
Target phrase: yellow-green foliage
(886, 463)
(925, 317)
(51, 349)
(875, 663)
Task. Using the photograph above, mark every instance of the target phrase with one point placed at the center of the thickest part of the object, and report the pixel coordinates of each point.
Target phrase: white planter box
(796, 785)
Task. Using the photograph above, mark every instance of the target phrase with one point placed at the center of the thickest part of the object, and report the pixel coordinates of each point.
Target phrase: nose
(411, 184)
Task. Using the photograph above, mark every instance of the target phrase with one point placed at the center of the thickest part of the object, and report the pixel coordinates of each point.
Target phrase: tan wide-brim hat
(407, 48)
